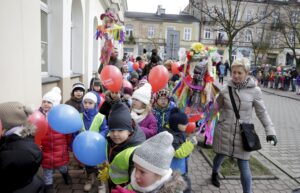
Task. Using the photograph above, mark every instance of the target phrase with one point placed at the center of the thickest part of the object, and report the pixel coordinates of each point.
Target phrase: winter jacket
(227, 137)
(136, 138)
(20, 159)
(162, 116)
(55, 149)
(75, 103)
(149, 125)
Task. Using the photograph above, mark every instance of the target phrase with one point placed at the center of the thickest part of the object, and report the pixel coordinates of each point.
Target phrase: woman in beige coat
(227, 138)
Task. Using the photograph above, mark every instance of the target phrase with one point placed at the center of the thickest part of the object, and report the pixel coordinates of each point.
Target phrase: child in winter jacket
(54, 145)
(152, 171)
(122, 140)
(92, 121)
(141, 110)
(183, 146)
(77, 94)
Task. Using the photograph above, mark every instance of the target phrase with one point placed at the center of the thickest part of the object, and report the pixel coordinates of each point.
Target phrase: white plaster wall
(20, 47)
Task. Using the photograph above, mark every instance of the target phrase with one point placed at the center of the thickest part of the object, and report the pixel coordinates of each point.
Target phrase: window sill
(50, 79)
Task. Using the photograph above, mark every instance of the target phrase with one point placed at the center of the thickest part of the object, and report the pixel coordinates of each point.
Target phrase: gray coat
(227, 137)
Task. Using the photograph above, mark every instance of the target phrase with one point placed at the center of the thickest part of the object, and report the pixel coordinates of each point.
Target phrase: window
(291, 37)
(249, 15)
(128, 30)
(248, 35)
(259, 34)
(274, 39)
(294, 17)
(44, 36)
(207, 34)
(151, 31)
(167, 29)
(187, 35)
(275, 17)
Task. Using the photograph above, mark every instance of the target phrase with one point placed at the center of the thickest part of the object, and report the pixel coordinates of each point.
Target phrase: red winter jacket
(55, 149)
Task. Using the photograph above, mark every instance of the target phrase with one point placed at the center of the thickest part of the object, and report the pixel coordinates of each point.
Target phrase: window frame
(151, 31)
(187, 32)
(45, 8)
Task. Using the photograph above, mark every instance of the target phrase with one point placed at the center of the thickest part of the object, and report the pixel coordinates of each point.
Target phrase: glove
(272, 138)
(103, 174)
(119, 189)
(193, 140)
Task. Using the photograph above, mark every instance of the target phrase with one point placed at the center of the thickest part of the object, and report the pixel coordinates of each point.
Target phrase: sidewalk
(287, 94)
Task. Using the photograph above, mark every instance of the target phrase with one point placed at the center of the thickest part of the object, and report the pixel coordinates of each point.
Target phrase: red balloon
(191, 127)
(158, 77)
(174, 68)
(111, 78)
(142, 65)
(39, 120)
(136, 66)
(127, 84)
(195, 118)
(0, 127)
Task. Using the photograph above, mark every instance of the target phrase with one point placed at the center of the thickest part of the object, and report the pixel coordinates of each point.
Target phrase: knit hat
(143, 94)
(120, 118)
(13, 114)
(163, 92)
(78, 86)
(91, 96)
(156, 153)
(127, 90)
(177, 117)
(134, 74)
(53, 96)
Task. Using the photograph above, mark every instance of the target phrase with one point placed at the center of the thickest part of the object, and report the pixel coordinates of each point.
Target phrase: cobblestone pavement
(283, 160)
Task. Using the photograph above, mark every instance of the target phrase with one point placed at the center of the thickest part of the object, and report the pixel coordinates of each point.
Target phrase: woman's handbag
(250, 138)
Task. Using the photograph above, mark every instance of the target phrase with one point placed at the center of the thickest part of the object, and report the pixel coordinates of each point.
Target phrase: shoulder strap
(233, 103)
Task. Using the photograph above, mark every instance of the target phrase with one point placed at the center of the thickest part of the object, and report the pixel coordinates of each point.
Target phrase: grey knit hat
(13, 114)
(156, 153)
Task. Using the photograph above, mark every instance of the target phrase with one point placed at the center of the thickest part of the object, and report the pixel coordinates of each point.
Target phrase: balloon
(89, 148)
(111, 78)
(191, 127)
(158, 77)
(142, 65)
(174, 68)
(40, 121)
(127, 84)
(195, 118)
(136, 66)
(0, 127)
(101, 101)
(130, 66)
(64, 119)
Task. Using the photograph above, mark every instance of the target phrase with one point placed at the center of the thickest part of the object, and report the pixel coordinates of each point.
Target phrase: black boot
(49, 188)
(215, 179)
(67, 178)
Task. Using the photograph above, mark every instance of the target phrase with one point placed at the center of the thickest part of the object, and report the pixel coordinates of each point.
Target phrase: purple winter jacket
(149, 125)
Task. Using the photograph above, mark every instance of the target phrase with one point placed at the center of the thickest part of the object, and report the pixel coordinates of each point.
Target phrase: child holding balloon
(92, 121)
(54, 145)
(183, 145)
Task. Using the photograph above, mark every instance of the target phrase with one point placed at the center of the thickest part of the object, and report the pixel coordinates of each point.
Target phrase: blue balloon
(130, 66)
(89, 148)
(64, 119)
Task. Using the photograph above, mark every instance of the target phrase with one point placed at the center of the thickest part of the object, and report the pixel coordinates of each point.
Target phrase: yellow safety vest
(97, 122)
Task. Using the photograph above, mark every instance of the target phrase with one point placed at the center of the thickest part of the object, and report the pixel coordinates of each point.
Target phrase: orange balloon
(158, 77)
(174, 68)
(39, 120)
(136, 66)
(111, 77)
(191, 127)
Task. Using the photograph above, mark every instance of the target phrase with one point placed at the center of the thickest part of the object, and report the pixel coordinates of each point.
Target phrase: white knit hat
(143, 94)
(156, 153)
(91, 96)
(53, 96)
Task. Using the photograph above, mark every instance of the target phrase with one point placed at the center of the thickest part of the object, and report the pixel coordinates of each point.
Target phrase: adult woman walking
(227, 137)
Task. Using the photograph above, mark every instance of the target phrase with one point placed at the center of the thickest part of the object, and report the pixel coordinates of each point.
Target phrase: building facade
(269, 30)
(50, 43)
(164, 32)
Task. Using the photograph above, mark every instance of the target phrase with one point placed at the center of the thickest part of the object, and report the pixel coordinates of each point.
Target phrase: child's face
(182, 127)
(88, 104)
(46, 106)
(144, 177)
(136, 104)
(97, 88)
(163, 101)
(119, 136)
(78, 94)
(115, 95)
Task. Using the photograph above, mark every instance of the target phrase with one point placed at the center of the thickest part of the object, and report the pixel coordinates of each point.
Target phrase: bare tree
(260, 43)
(229, 15)
(290, 30)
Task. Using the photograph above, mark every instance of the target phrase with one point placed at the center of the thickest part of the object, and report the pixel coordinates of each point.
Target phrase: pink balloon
(39, 120)
(127, 84)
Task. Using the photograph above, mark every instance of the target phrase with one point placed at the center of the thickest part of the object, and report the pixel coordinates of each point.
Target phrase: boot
(49, 188)
(67, 178)
(89, 182)
(215, 179)
(102, 188)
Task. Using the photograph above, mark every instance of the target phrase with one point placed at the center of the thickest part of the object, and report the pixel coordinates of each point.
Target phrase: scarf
(88, 117)
(155, 185)
(138, 115)
(242, 84)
